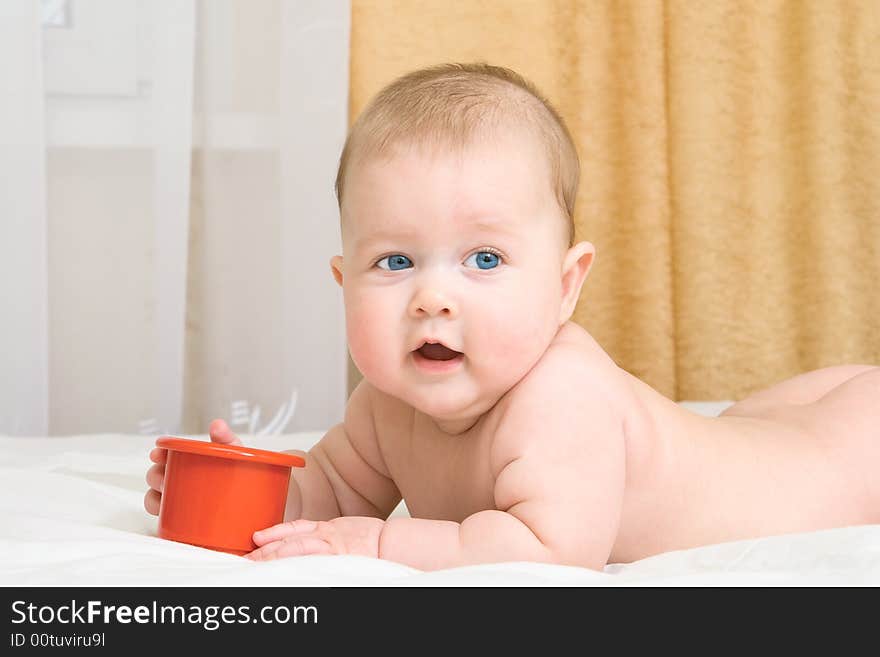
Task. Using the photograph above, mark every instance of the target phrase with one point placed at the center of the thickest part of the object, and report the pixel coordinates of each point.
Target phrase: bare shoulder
(575, 385)
(590, 366)
(368, 415)
(572, 364)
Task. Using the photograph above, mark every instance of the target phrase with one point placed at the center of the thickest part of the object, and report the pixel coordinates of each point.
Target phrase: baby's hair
(450, 105)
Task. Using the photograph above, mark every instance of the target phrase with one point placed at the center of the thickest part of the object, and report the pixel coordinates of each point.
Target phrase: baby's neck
(455, 427)
(462, 422)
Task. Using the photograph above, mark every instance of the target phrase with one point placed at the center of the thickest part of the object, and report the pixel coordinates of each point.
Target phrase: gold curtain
(730, 157)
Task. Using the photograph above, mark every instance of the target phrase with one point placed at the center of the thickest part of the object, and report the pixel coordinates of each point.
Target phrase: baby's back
(701, 480)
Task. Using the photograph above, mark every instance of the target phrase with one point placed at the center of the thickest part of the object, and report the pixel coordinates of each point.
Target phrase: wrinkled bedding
(72, 515)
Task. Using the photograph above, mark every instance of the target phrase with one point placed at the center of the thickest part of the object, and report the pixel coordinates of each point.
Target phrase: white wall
(24, 374)
(262, 316)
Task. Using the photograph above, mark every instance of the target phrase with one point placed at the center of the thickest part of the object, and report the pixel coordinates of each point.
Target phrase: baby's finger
(152, 502)
(159, 455)
(156, 477)
(220, 432)
(292, 546)
(283, 530)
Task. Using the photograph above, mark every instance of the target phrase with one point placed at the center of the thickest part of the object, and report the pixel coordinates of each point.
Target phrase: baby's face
(451, 273)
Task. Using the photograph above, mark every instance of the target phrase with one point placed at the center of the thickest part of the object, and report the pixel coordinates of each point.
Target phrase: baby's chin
(455, 399)
(445, 410)
(449, 404)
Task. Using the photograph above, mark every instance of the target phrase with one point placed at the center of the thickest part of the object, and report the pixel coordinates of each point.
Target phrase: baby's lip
(425, 341)
(433, 349)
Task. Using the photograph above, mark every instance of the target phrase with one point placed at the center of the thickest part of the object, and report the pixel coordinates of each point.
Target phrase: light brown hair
(449, 105)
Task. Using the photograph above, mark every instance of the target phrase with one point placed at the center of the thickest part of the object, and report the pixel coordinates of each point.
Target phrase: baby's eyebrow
(493, 224)
(384, 236)
(483, 223)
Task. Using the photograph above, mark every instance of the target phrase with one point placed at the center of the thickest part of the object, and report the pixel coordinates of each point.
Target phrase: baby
(508, 431)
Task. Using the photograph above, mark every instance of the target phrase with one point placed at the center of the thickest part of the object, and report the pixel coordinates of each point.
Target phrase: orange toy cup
(216, 496)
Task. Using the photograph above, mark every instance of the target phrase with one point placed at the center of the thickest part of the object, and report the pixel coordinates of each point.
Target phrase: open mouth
(437, 351)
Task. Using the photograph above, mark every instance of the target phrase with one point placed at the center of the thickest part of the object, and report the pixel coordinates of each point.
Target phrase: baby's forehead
(501, 182)
(499, 174)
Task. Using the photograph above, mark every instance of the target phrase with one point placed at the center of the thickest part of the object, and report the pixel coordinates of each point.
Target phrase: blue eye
(483, 260)
(394, 262)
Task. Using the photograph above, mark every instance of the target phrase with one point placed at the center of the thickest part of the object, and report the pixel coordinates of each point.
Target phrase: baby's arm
(344, 473)
(559, 463)
(560, 474)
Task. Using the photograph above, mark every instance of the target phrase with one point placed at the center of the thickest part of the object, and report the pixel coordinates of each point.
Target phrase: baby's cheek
(519, 333)
(503, 337)
(369, 336)
(518, 342)
(360, 329)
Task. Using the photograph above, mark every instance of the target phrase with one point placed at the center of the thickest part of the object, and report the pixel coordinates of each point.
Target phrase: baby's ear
(336, 268)
(575, 267)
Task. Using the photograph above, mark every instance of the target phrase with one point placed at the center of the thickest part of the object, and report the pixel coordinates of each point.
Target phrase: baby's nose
(432, 303)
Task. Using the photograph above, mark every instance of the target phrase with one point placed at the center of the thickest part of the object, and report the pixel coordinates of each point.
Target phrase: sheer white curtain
(167, 216)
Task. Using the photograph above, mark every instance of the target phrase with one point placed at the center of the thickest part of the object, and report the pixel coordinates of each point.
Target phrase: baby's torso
(690, 480)
(440, 477)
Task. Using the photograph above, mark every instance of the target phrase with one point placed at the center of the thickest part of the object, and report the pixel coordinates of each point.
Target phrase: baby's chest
(443, 479)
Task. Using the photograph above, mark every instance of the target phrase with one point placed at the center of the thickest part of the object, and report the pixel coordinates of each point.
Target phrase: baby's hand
(219, 432)
(346, 535)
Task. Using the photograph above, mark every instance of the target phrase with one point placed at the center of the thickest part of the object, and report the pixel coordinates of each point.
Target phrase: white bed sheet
(71, 514)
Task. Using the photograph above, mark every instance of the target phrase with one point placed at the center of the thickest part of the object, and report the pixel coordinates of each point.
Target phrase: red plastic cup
(216, 496)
